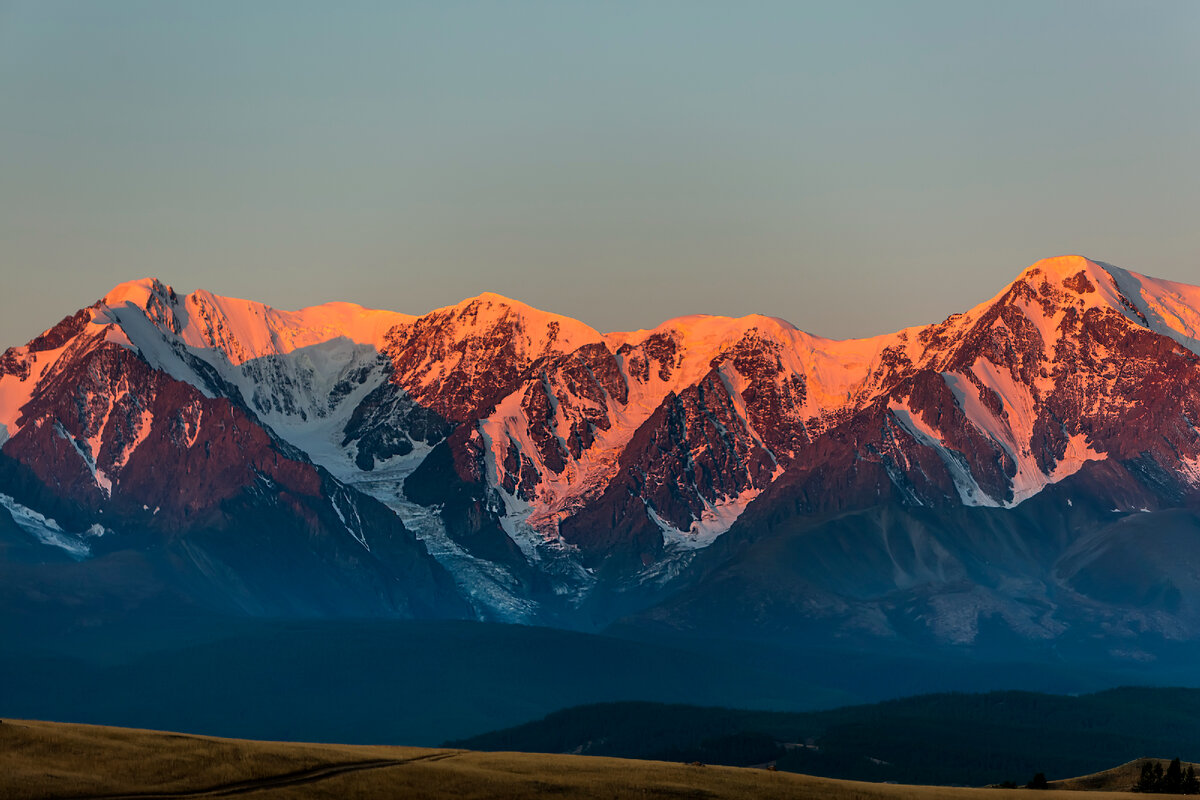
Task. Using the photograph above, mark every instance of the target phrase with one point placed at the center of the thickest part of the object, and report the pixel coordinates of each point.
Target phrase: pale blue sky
(851, 167)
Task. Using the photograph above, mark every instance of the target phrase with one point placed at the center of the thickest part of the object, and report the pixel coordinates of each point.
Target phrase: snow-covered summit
(244, 329)
(535, 332)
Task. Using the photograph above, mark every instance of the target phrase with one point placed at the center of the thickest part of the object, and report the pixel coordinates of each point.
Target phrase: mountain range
(1025, 474)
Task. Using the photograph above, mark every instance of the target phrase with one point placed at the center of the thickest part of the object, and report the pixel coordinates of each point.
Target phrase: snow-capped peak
(1047, 288)
(1062, 267)
(538, 332)
(244, 329)
(136, 293)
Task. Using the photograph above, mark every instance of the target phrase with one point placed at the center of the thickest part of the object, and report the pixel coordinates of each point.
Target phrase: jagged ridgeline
(1020, 475)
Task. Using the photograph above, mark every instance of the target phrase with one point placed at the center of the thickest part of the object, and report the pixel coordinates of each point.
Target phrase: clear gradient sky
(853, 167)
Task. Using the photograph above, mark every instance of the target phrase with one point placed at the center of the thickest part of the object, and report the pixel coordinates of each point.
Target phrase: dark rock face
(460, 361)
(710, 443)
(387, 423)
(161, 443)
(565, 403)
(449, 478)
(659, 349)
(538, 404)
(773, 396)
(1138, 405)
(693, 451)
(518, 477)
(15, 361)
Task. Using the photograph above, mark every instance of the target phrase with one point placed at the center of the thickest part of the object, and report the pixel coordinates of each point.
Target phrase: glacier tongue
(491, 589)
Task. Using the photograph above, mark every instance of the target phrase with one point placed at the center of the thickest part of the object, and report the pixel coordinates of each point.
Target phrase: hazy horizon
(851, 169)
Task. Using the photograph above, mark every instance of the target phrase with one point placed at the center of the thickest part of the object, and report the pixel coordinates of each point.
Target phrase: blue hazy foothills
(851, 167)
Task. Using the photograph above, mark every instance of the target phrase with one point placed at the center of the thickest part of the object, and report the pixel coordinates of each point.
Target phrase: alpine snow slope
(1026, 472)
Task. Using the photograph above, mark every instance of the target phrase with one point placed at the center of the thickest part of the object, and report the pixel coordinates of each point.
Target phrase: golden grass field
(1122, 776)
(55, 760)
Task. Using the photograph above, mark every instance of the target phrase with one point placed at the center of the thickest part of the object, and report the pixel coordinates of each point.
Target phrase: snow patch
(15, 393)
(715, 519)
(141, 430)
(49, 532)
(1014, 431)
(193, 414)
(356, 532)
(964, 482)
(1189, 470)
(102, 481)
(1171, 309)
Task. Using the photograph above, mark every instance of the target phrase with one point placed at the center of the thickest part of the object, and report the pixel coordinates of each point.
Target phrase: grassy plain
(55, 761)
(1120, 777)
